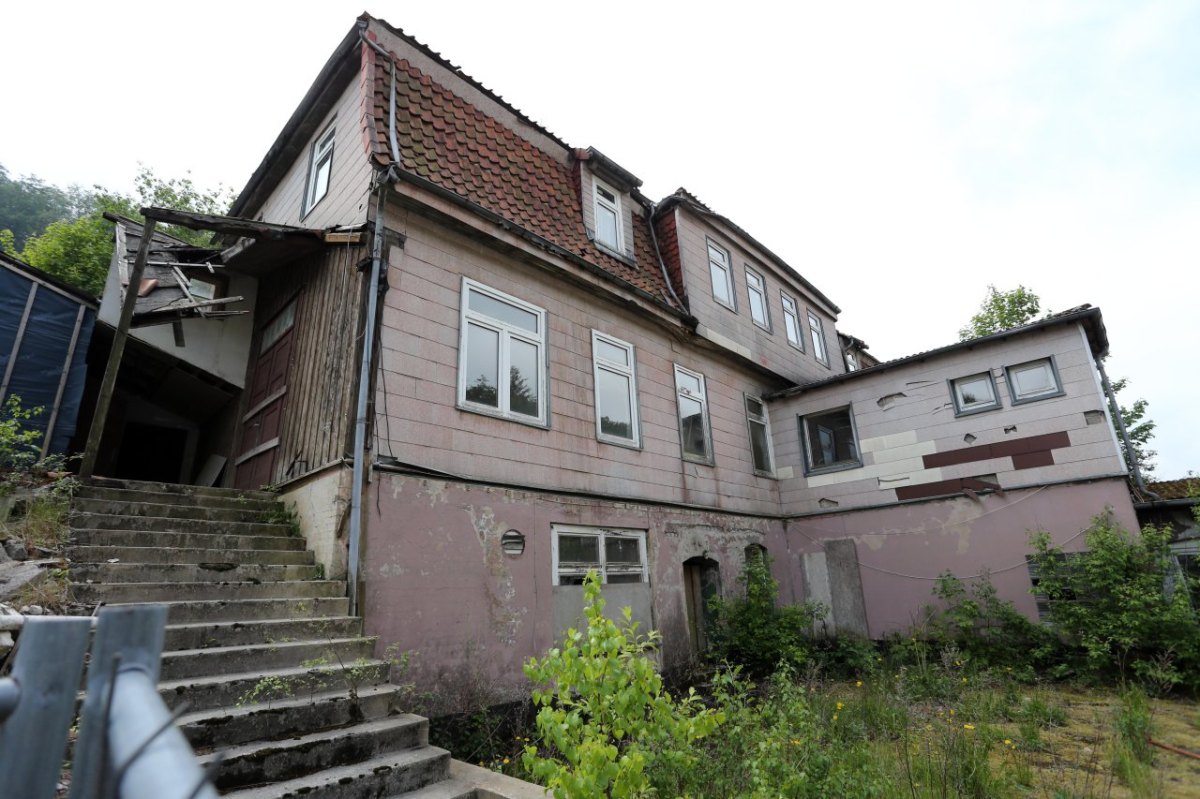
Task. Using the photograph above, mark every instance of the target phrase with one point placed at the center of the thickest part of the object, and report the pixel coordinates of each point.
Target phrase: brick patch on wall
(1015, 447)
(941, 487)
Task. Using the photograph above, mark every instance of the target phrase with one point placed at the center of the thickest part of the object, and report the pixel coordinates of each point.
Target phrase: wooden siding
(348, 198)
(769, 348)
(317, 415)
(420, 423)
(907, 413)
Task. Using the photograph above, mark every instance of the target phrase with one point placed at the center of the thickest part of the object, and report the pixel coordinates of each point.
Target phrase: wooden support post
(104, 400)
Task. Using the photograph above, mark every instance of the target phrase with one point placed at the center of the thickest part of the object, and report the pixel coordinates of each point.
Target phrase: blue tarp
(43, 352)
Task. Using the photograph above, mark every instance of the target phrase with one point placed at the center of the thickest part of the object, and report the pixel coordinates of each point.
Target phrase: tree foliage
(1140, 430)
(1001, 310)
(76, 245)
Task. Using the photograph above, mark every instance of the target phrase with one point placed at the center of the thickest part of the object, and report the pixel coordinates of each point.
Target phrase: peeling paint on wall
(505, 619)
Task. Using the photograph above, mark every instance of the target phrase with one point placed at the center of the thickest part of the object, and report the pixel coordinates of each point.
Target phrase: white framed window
(722, 276)
(760, 435)
(818, 338)
(1034, 380)
(606, 208)
(756, 292)
(791, 321)
(974, 394)
(614, 367)
(851, 361)
(829, 441)
(320, 167)
(695, 436)
(618, 555)
(501, 356)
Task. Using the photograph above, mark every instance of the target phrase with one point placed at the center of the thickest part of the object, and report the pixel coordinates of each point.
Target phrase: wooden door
(263, 421)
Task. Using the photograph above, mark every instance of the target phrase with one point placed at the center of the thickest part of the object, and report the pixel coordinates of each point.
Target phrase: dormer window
(319, 169)
(608, 217)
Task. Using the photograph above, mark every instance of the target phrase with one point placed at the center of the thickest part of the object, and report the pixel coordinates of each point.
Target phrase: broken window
(617, 555)
(693, 415)
(1034, 380)
(829, 441)
(722, 276)
(818, 338)
(607, 212)
(974, 393)
(756, 290)
(319, 169)
(501, 355)
(760, 435)
(791, 321)
(616, 390)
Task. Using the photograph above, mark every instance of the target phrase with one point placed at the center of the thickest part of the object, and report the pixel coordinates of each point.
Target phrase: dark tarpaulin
(43, 351)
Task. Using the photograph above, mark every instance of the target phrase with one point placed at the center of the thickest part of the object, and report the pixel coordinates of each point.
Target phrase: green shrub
(1110, 602)
(603, 715)
(18, 445)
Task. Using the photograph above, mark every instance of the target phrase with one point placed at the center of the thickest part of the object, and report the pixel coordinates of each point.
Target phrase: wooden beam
(104, 400)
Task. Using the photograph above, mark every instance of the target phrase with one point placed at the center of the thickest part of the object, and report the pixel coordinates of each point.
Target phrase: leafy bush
(603, 715)
(1110, 602)
(753, 632)
(18, 444)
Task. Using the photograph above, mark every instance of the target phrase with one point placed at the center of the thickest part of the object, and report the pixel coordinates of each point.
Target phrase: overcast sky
(901, 156)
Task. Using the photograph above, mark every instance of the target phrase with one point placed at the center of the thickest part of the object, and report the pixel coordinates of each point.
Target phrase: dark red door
(259, 444)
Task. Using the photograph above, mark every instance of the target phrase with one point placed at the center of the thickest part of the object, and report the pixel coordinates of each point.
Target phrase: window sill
(700, 461)
(766, 328)
(1039, 398)
(483, 410)
(837, 467)
(972, 411)
(621, 442)
(614, 252)
(304, 214)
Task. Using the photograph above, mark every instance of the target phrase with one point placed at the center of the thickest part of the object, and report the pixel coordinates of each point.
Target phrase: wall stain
(501, 590)
(397, 485)
(436, 490)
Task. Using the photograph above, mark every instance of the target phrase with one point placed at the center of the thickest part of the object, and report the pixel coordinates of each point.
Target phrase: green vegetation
(1001, 310)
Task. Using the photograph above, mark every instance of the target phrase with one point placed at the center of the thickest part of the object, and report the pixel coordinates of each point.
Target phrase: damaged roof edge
(1089, 317)
(688, 201)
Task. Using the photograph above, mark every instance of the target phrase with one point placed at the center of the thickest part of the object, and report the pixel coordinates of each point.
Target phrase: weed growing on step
(270, 688)
(285, 515)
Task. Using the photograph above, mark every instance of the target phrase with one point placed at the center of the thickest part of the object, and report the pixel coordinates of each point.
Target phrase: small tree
(603, 714)
(1140, 430)
(1001, 310)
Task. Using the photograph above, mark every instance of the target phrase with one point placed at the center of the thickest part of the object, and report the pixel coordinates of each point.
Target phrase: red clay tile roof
(450, 142)
(1176, 489)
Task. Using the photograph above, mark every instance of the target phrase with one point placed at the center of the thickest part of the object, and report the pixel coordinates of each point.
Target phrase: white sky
(899, 155)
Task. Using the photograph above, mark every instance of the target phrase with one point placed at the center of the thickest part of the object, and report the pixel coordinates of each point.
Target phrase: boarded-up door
(259, 445)
(701, 584)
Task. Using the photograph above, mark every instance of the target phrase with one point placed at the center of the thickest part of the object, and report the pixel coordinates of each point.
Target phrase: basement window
(618, 556)
(829, 441)
(974, 394)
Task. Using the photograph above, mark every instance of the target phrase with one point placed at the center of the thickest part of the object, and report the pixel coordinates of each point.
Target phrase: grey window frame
(601, 533)
(794, 315)
(956, 395)
(765, 421)
(615, 207)
(681, 391)
(816, 329)
(603, 364)
(806, 444)
(321, 154)
(506, 333)
(1058, 391)
(727, 268)
(761, 291)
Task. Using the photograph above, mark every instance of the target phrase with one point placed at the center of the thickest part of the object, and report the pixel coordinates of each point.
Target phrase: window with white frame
(973, 394)
(851, 361)
(1034, 380)
(694, 433)
(818, 338)
(722, 276)
(614, 370)
(791, 321)
(830, 442)
(320, 166)
(617, 555)
(607, 212)
(760, 435)
(501, 355)
(756, 291)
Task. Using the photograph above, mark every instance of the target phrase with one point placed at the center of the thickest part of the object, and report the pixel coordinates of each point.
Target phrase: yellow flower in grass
(858, 684)
(1008, 741)
(968, 727)
(951, 711)
(840, 706)
(835, 716)
(506, 761)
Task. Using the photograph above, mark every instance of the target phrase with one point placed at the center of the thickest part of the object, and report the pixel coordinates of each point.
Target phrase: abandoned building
(562, 374)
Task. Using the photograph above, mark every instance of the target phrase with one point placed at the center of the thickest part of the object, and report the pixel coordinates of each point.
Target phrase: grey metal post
(104, 399)
(46, 671)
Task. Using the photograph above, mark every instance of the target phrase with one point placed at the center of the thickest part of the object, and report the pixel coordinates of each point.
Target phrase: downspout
(1116, 411)
(354, 546)
(651, 207)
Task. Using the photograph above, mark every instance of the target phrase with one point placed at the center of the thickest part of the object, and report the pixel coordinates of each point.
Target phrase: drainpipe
(1116, 411)
(651, 207)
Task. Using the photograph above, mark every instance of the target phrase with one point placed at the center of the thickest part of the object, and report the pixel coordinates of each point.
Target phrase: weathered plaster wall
(903, 549)
(321, 503)
(438, 581)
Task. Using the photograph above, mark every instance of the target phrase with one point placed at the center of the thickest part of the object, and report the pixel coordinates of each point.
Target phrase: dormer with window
(607, 205)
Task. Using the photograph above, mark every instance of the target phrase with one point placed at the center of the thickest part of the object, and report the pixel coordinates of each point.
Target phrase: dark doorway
(151, 452)
(701, 583)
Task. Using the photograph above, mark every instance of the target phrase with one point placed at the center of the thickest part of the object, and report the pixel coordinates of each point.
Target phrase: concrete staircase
(274, 672)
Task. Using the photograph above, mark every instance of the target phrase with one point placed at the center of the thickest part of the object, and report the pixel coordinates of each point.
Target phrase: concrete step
(159, 554)
(343, 652)
(386, 775)
(446, 789)
(149, 538)
(240, 502)
(173, 511)
(248, 610)
(225, 571)
(266, 631)
(311, 710)
(175, 488)
(276, 761)
(92, 593)
(165, 524)
(262, 687)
